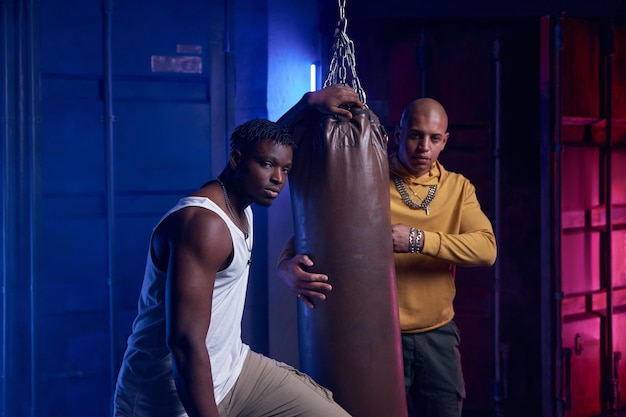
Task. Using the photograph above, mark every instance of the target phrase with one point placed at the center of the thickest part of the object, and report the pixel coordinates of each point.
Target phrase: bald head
(427, 108)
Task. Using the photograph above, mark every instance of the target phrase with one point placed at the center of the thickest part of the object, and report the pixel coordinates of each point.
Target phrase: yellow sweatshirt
(456, 232)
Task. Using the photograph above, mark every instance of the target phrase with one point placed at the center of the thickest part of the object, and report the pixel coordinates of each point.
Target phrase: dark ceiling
(408, 9)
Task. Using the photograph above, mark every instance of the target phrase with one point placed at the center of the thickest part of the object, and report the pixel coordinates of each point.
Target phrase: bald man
(437, 224)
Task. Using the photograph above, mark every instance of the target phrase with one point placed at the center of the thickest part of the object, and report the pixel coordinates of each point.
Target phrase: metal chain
(233, 213)
(343, 57)
(425, 204)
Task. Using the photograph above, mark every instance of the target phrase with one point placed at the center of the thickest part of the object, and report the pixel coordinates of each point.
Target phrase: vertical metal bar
(19, 137)
(550, 223)
(497, 386)
(556, 209)
(22, 185)
(31, 158)
(230, 76)
(110, 180)
(219, 88)
(607, 252)
(18, 270)
(21, 172)
(6, 132)
(567, 377)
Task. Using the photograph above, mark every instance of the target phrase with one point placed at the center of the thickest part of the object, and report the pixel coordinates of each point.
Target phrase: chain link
(343, 57)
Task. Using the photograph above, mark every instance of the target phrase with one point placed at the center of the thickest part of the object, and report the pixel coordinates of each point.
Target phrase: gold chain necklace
(424, 205)
(235, 217)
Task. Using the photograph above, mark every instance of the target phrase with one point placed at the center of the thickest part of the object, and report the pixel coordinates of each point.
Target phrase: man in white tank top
(185, 356)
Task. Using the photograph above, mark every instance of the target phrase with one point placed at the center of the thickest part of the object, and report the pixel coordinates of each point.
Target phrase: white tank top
(146, 371)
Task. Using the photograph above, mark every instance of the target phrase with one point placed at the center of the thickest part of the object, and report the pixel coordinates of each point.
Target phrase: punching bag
(339, 184)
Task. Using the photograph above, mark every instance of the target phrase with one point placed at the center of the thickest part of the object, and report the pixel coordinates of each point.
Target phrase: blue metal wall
(19, 172)
(110, 113)
(121, 142)
(118, 148)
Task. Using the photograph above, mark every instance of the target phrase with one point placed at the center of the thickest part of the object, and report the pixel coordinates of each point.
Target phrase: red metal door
(593, 217)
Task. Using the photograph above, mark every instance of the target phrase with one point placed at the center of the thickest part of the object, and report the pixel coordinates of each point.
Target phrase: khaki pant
(266, 387)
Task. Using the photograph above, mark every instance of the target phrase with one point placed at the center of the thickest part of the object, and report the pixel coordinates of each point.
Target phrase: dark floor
(512, 413)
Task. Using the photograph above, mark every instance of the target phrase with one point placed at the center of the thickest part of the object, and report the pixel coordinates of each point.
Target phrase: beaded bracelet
(412, 240)
(420, 238)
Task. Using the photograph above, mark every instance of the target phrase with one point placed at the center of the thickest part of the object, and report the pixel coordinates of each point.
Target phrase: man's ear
(235, 159)
(445, 140)
(396, 134)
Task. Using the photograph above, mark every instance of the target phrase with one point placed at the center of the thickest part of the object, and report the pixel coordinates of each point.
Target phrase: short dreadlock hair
(247, 135)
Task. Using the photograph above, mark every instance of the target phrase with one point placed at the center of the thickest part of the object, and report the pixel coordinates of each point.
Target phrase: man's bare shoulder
(191, 221)
(191, 228)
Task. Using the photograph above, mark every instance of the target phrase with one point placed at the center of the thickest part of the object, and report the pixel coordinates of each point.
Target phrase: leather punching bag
(350, 343)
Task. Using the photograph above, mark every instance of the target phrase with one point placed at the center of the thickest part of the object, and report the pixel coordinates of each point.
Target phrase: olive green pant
(433, 377)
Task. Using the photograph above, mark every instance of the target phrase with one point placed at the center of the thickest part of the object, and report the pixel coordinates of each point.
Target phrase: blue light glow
(313, 85)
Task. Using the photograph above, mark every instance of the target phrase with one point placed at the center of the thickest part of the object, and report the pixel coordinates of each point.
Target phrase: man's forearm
(297, 113)
(194, 383)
